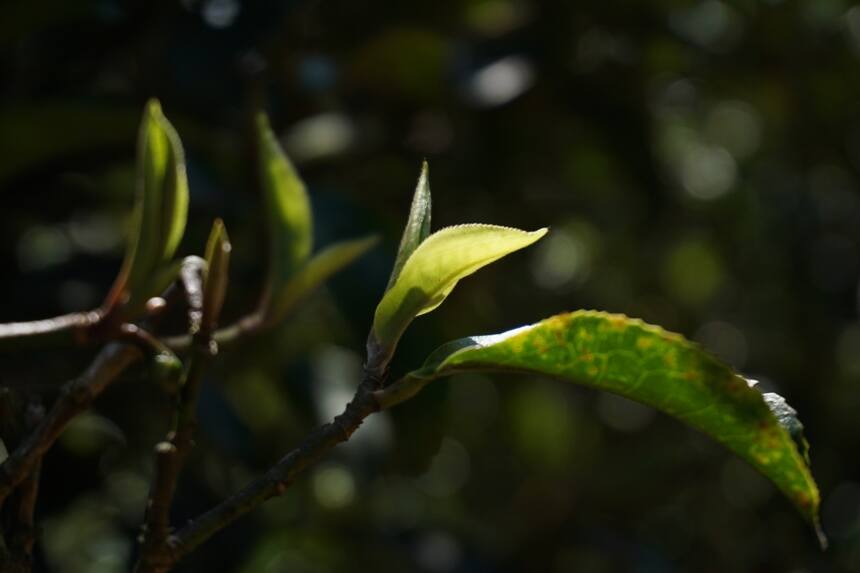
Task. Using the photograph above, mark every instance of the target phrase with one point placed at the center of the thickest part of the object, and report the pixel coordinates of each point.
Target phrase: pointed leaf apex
(263, 121)
(417, 225)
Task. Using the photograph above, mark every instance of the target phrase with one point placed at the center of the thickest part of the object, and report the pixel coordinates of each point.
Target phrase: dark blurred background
(697, 163)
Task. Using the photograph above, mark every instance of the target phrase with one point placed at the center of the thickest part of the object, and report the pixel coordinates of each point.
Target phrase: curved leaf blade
(646, 364)
(432, 272)
(287, 207)
(417, 225)
(314, 273)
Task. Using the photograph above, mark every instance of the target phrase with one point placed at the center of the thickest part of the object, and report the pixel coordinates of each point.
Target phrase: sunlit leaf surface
(435, 268)
(647, 364)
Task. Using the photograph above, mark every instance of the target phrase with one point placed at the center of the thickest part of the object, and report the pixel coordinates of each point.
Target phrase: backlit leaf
(160, 213)
(287, 208)
(433, 270)
(417, 226)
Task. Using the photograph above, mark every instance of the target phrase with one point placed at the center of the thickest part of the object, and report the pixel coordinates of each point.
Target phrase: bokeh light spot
(501, 81)
(333, 487)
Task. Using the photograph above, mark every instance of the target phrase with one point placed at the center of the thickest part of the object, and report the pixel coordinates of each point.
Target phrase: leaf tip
(823, 543)
(218, 236)
(262, 122)
(368, 242)
(153, 108)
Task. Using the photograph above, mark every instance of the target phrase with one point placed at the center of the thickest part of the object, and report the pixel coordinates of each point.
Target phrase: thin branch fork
(204, 307)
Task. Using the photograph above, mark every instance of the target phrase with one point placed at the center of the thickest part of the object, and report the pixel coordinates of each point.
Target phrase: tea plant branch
(28, 492)
(246, 326)
(68, 328)
(278, 478)
(75, 396)
(170, 456)
(23, 539)
(205, 285)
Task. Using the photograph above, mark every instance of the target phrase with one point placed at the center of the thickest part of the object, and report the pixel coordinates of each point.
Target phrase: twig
(275, 481)
(224, 337)
(75, 396)
(170, 456)
(24, 536)
(67, 328)
(27, 494)
(205, 283)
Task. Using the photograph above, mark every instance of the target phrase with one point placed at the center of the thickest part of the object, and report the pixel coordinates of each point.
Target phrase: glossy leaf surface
(649, 365)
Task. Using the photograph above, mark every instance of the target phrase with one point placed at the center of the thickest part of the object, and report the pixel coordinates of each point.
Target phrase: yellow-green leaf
(432, 271)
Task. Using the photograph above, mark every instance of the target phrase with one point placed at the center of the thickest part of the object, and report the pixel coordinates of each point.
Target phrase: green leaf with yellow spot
(649, 365)
(432, 271)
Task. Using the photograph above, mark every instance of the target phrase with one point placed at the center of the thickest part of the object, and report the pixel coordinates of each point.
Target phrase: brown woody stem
(69, 328)
(277, 479)
(75, 396)
(170, 456)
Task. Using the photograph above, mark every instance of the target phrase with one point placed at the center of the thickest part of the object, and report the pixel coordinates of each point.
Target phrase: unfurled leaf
(215, 284)
(417, 226)
(315, 272)
(432, 271)
(160, 213)
(649, 365)
(287, 209)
